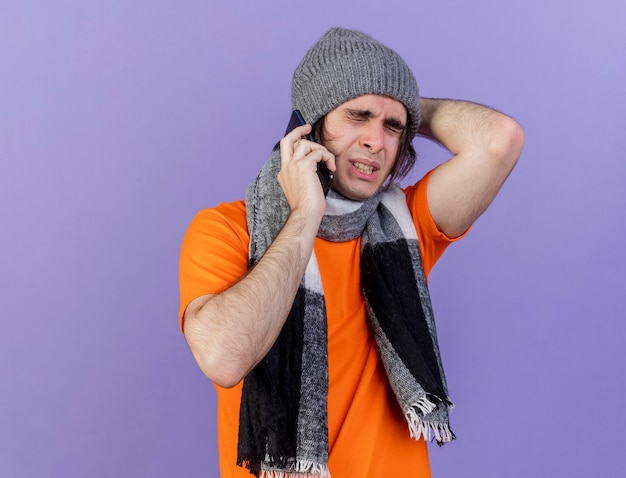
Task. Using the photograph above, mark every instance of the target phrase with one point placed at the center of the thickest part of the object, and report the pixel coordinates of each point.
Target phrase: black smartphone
(326, 177)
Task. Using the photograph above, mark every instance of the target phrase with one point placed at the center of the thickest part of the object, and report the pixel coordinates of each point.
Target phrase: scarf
(283, 429)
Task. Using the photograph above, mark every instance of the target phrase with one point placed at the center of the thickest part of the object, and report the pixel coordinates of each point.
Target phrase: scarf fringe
(297, 469)
(418, 428)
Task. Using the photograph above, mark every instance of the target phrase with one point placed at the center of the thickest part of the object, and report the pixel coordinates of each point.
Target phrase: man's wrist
(428, 107)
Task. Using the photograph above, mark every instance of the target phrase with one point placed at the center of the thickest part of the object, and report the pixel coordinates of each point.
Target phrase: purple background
(120, 120)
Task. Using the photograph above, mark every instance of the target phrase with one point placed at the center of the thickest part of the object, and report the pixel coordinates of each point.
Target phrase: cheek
(337, 145)
(392, 148)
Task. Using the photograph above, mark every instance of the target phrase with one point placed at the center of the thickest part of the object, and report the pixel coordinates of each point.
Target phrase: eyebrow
(367, 114)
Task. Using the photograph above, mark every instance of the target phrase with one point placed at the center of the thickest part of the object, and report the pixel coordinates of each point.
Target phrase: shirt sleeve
(214, 252)
(433, 242)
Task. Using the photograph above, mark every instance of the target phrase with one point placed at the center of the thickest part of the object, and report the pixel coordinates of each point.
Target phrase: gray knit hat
(345, 64)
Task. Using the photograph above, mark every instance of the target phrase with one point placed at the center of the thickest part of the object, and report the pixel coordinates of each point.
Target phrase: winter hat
(345, 64)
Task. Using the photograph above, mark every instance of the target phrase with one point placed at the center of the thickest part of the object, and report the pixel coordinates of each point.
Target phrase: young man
(311, 315)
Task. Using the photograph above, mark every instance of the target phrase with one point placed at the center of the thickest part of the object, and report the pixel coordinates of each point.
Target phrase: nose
(372, 137)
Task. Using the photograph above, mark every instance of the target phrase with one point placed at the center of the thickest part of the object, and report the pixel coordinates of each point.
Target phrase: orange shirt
(368, 434)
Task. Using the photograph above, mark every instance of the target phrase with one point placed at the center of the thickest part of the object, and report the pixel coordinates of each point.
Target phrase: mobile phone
(326, 177)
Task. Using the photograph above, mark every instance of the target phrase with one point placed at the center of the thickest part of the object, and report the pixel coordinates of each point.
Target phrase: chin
(356, 194)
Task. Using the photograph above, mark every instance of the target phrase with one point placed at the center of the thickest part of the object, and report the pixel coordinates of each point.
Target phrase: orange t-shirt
(368, 434)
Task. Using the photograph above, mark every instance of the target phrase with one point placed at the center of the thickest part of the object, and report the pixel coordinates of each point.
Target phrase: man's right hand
(298, 173)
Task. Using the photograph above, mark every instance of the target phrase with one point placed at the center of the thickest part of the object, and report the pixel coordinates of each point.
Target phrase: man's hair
(405, 157)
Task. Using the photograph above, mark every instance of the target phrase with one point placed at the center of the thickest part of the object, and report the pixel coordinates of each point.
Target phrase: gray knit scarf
(283, 429)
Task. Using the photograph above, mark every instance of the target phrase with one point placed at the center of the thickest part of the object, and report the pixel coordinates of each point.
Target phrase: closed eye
(359, 115)
(394, 126)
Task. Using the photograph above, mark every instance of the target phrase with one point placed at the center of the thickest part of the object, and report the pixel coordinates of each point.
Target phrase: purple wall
(119, 120)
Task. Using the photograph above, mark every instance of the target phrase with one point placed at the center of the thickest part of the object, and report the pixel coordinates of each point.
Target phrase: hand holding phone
(326, 177)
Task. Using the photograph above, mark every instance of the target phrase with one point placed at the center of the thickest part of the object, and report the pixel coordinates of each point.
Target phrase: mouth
(364, 168)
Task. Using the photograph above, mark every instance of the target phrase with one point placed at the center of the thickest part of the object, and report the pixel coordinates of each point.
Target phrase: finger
(297, 134)
(329, 159)
(292, 139)
(322, 154)
(301, 131)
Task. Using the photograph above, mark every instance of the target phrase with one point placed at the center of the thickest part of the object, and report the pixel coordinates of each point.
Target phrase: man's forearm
(232, 331)
(458, 124)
